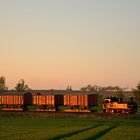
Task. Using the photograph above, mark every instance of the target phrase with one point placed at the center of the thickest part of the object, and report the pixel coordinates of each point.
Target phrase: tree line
(20, 86)
(99, 88)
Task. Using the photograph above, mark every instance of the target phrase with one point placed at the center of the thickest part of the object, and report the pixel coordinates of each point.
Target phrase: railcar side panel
(11, 100)
(43, 100)
(80, 100)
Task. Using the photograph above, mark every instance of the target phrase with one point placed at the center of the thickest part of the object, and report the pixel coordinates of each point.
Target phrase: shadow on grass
(102, 132)
(73, 133)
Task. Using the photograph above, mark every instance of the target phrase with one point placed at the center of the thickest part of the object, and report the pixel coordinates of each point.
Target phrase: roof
(46, 92)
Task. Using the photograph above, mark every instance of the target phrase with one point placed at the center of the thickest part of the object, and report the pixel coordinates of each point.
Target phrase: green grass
(86, 134)
(123, 132)
(37, 128)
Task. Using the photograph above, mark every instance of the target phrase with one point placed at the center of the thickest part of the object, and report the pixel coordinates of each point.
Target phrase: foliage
(21, 86)
(120, 94)
(137, 92)
(3, 84)
(96, 88)
(89, 87)
(98, 108)
(31, 108)
(110, 88)
(1, 107)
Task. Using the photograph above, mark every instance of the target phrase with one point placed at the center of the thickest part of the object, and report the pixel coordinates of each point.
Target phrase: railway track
(98, 115)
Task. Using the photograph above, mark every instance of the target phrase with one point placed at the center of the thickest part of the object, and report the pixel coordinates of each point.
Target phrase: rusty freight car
(80, 102)
(15, 100)
(48, 102)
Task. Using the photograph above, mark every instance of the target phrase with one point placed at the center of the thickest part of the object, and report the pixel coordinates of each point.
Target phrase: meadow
(55, 128)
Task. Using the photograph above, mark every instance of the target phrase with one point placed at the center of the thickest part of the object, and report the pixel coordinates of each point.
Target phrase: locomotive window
(106, 101)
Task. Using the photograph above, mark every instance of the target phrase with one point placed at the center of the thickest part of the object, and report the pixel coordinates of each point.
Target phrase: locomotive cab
(107, 100)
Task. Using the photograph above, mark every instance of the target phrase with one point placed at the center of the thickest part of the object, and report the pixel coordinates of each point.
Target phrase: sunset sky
(55, 43)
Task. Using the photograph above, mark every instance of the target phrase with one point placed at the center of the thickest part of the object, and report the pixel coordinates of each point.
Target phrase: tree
(137, 92)
(3, 84)
(119, 93)
(21, 86)
(110, 88)
(93, 88)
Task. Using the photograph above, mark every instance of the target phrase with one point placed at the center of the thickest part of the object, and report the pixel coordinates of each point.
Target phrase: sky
(54, 43)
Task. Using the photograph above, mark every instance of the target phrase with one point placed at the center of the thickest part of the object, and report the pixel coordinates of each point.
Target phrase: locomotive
(49, 100)
(115, 105)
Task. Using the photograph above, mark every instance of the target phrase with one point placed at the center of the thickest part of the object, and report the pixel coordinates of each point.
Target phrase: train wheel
(113, 111)
(104, 110)
(123, 111)
(120, 111)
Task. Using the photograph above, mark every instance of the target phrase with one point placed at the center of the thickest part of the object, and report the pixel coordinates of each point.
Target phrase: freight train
(115, 105)
(49, 100)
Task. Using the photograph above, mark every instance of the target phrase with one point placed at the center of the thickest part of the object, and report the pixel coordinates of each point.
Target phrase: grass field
(38, 128)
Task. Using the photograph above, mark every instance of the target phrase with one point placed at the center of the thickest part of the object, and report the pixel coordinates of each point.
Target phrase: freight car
(80, 102)
(114, 105)
(15, 101)
(48, 102)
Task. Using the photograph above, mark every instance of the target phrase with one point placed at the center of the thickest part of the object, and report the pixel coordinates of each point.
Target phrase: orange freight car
(47, 102)
(76, 102)
(80, 100)
(15, 101)
(12, 102)
(43, 100)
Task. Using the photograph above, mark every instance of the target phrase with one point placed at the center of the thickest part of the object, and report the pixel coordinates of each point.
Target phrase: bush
(30, 108)
(1, 107)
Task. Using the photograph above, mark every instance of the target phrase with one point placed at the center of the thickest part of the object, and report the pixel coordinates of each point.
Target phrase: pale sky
(55, 43)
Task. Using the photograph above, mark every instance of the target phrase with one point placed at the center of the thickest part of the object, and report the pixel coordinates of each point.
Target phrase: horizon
(52, 44)
(74, 89)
